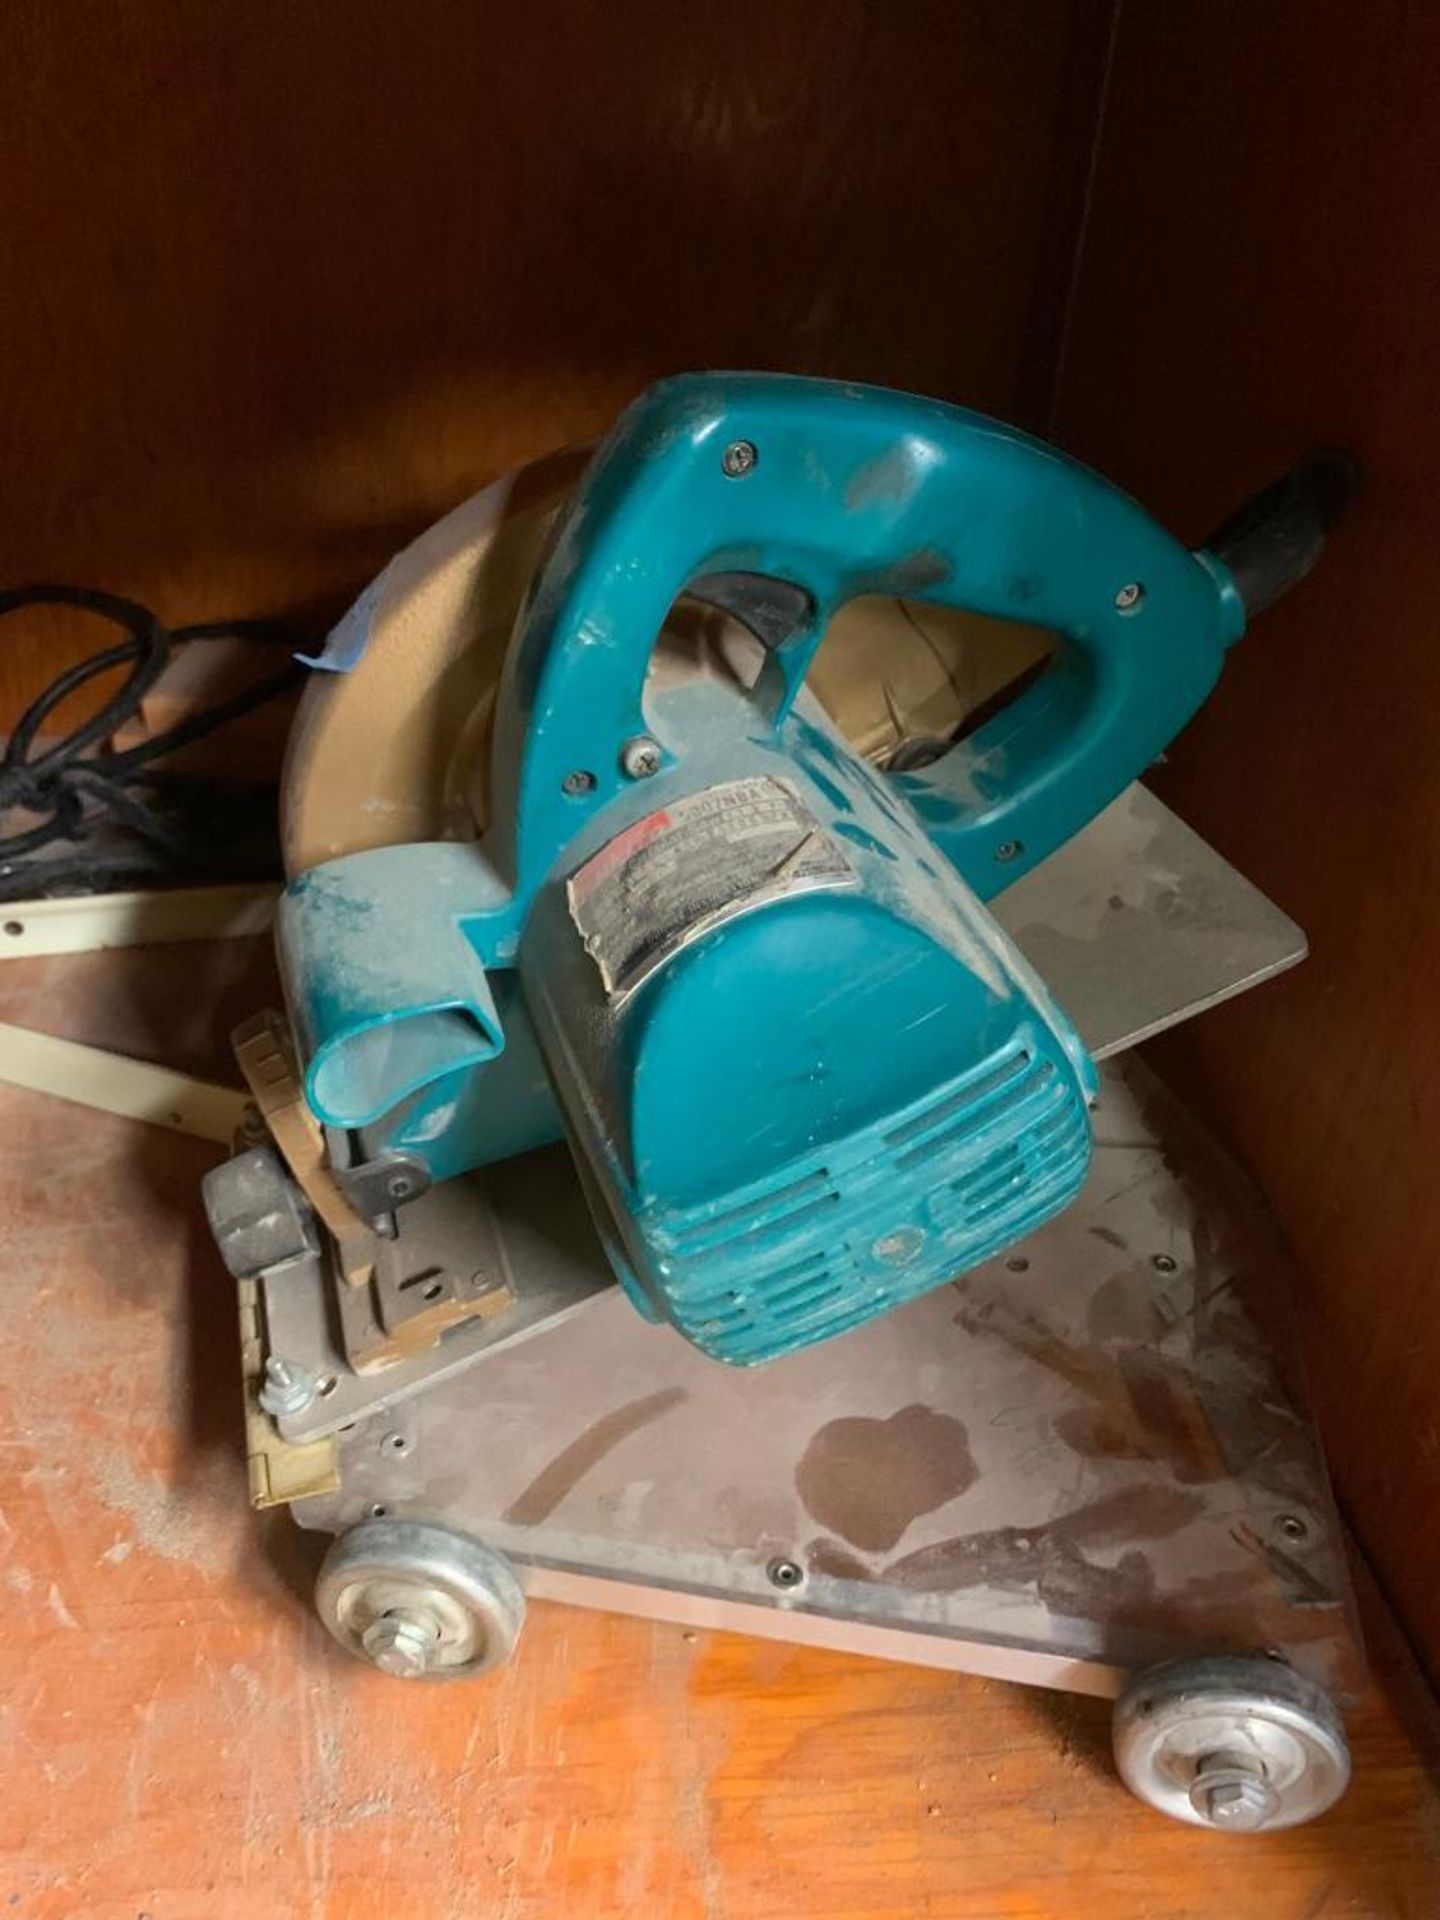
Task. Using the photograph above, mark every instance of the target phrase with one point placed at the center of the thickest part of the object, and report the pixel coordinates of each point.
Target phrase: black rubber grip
(1274, 540)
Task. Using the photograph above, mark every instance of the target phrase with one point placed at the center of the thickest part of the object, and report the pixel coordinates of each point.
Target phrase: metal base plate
(1078, 1460)
(1137, 924)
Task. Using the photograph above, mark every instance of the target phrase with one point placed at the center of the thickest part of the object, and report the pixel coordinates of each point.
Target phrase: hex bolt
(738, 459)
(1241, 1805)
(786, 1574)
(580, 782)
(1129, 597)
(640, 758)
(286, 1388)
(1231, 1793)
(402, 1642)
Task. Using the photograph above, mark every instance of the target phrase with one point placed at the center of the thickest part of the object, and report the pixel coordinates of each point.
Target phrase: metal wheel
(1243, 1745)
(419, 1600)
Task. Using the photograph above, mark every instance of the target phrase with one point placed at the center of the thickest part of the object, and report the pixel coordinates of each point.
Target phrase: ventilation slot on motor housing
(798, 1259)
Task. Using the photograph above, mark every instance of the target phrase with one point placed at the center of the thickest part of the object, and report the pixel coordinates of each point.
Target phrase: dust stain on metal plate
(1052, 1558)
(1125, 1307)
(1065, 1563)
(542, 1496)
(867, 1479)
(835, 1561)
(1139, 1403)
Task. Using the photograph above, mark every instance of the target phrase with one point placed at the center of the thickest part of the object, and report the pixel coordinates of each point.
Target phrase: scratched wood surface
(182, 1740)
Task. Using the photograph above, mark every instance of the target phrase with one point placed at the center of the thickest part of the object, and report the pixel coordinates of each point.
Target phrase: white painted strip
(136, 1089)
(93, 921)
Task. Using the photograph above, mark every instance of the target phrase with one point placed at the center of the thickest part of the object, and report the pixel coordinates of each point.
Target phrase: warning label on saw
(677, 874)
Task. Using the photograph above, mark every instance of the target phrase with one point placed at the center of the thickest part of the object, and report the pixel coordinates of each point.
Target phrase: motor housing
(805, 1074)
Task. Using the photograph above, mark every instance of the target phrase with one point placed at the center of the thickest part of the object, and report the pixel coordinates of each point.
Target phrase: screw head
(1129, 597)
(402, 1642)
(901, 1247)
(640, 758)
(1009, 850)
(786, 1574)
(1164, 1262)
(1292, 1526)
(738, 459)
(581, 781)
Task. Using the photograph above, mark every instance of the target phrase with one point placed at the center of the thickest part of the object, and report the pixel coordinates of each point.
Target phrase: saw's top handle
(838, 491)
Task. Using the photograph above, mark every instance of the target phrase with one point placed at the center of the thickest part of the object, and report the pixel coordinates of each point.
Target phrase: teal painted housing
(839, 1085)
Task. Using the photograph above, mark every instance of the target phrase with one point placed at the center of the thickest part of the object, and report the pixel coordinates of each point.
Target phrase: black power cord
(112, 818)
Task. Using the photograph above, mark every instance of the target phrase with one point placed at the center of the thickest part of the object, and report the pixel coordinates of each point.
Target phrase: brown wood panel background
(283, 282)
(1262, 272)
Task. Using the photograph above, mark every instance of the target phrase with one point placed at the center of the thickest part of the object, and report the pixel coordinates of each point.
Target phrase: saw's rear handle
(840, 491)
(1272, 542)
(830, 492)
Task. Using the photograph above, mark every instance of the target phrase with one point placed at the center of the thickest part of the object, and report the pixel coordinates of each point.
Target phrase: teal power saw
(578, 851)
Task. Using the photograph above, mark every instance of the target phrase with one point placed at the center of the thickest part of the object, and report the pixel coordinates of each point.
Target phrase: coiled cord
(129, 821)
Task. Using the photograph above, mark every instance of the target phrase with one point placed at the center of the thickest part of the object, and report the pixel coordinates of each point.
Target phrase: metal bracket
(513, 1252)
(279, 1470)
(262, 1047)
(89, 922)
(375, 1188)
(114, 1083)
